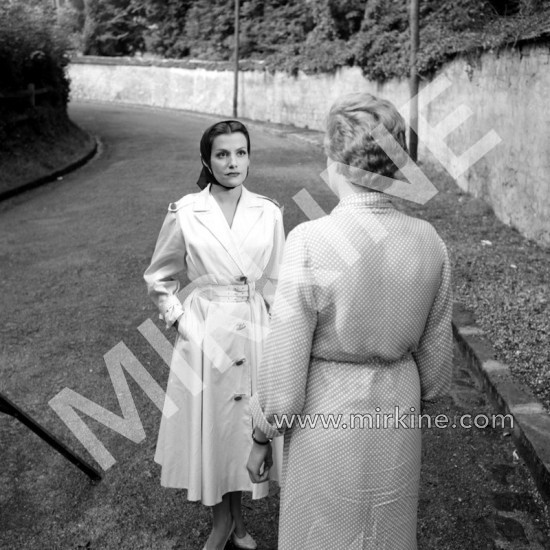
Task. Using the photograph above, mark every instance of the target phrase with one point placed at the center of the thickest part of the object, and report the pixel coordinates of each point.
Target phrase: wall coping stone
(244, 64)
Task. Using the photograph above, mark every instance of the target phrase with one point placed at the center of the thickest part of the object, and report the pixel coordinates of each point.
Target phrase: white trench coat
(204, 446)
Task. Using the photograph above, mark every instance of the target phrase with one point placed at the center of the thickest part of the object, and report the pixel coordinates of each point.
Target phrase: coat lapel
(210, 215)
(249, 211)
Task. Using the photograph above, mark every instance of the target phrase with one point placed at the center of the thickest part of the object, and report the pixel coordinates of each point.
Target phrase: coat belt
(228, 293)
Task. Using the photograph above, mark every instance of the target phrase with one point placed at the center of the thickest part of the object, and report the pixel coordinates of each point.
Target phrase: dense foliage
(381, 47)
(114, 27)
(32, 50)
(165, 33)
(310, 35)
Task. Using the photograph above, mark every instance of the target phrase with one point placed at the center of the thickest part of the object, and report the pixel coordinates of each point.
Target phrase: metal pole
(236, 81)
(414, 80)
(8, 407)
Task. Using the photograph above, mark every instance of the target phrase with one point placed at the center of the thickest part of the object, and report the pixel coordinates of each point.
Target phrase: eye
(242, 153)
(220, 155)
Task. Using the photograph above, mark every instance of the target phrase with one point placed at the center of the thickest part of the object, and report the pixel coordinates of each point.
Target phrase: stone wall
(508, 94)
(505, 95)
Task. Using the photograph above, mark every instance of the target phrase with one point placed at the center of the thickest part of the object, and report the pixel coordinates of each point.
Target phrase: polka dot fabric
(360, 332)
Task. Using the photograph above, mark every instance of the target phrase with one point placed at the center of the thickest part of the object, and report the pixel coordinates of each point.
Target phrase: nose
(233, 160)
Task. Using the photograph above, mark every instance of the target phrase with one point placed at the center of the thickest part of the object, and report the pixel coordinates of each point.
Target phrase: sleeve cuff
(259, 419)
(172, 310)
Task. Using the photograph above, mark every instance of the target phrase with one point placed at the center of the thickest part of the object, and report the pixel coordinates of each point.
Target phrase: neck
(226, 194)
(346, 188)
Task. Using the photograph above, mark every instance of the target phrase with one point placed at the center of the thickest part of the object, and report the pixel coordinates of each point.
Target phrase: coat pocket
(226, 343)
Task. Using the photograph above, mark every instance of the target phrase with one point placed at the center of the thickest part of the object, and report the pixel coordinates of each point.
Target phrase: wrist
(260, 438)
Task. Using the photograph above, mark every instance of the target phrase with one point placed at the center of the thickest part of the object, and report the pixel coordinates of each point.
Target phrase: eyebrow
(227, 150)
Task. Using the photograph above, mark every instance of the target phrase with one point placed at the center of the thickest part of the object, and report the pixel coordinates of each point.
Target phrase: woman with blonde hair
(360, 333)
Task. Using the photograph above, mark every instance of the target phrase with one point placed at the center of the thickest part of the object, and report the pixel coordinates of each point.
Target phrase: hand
(259, 462)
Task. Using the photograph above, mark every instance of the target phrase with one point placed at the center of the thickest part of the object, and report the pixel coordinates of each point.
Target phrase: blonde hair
(349, 137)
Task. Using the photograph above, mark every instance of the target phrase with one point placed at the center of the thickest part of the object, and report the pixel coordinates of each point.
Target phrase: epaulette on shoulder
(270, 200)
(175, 206)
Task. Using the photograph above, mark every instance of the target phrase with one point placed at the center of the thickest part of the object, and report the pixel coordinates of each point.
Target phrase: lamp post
(236, 71)
(414, 80)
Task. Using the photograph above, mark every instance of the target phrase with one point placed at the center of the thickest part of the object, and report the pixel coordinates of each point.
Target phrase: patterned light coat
(361, 328)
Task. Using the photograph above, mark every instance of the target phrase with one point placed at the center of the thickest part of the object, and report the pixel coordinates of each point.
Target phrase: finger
(253, 476)
(264, 476)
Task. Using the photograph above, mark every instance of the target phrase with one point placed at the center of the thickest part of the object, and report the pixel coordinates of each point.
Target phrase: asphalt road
(72, 255)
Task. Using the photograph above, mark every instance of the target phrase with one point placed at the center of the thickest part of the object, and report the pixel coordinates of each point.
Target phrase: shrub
(32, 50)
(71, 20)
(114, 27)
(381, 47)
(165, 32)
(320, 45)
(315, 55)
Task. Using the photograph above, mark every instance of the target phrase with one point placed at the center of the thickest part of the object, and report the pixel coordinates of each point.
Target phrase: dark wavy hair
(349, 138)
(218, 129)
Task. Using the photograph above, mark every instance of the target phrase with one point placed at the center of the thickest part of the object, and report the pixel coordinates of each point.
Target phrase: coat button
(240, 362)
(240, 326)
(238, 397)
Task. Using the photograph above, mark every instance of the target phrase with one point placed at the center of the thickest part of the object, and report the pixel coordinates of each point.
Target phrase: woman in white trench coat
(228, 241)
(360, 333)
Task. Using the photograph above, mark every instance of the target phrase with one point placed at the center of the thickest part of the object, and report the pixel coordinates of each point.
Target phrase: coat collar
(371, 199)
(248, 213)
(204, 201)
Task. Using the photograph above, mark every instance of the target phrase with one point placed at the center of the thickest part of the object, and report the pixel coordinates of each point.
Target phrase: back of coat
(369, 284)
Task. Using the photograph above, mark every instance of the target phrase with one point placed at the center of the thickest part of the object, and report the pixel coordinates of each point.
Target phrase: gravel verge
(499, 275)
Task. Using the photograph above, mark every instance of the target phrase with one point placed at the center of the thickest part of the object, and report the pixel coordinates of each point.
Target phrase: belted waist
(228, 293)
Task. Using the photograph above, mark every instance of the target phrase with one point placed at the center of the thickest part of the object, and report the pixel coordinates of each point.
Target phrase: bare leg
(236, 512)
(221, 523)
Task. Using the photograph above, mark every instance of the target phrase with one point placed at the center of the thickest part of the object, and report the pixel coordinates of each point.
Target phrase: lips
(233, 174)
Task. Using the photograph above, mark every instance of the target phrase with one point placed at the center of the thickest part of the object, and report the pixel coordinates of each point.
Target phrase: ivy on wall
(312, 35)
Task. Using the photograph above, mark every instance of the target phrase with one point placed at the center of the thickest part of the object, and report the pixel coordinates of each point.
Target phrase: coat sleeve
(434, 355)
(168, 260)
(283, 372)
(271, 272)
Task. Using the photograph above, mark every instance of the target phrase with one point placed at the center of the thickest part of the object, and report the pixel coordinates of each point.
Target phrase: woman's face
(229, 159)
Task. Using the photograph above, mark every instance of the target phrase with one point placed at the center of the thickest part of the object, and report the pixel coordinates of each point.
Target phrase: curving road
(72, 255)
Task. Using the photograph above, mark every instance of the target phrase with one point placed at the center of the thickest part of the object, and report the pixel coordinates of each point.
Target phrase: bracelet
(266, 442)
